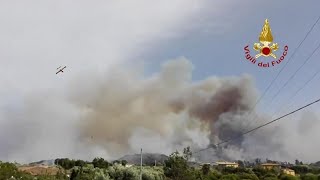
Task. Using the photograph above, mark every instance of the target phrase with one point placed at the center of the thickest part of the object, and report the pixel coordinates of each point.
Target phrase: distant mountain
(147, 159)
(43, 162)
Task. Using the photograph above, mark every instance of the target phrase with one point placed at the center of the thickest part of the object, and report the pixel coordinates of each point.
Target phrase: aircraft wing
(61, 70)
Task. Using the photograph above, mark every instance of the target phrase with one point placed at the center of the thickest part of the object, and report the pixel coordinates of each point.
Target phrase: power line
(242, 134)
(276, 77)
(299, 90)
(294, 74)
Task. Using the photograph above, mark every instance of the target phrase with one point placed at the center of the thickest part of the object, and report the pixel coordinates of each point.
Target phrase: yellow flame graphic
(266, 35)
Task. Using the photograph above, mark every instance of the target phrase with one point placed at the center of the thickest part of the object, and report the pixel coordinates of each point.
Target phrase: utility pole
(141, 164)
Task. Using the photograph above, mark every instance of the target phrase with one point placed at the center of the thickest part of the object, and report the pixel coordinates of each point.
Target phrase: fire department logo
(266, 47)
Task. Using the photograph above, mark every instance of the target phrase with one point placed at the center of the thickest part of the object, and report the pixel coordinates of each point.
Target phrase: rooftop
(287, 169)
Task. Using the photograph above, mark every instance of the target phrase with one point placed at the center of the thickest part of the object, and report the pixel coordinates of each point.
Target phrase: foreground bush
(309, 176)
(117, 172)
(230, 177)
(288, 177)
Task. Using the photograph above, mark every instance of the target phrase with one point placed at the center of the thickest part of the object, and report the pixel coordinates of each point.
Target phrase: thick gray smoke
(122, 111)
(165, 112)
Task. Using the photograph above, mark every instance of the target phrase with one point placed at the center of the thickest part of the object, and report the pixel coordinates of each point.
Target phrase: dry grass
(39, 170)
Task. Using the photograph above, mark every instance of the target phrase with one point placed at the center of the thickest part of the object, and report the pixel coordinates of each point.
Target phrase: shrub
(288, 177)
(248, 176)
(309, 176)
(230, 177)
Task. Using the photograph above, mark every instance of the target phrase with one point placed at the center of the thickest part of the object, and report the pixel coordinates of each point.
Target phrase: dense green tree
(309, 176)
(176, 167)
(116, 162)
(260, 172)
(232, 170)
(288, 177)
(301, 169)
(130, 174)
(248, 176)
(124, 162)
(61, 176)
(80, 163)
(197, 173)
(230, 177)
(100, 163)
(65, 163)
(205, 169)
(270, 176)
(74, 174)
(212, 176)
(315, 170)
(83, 173)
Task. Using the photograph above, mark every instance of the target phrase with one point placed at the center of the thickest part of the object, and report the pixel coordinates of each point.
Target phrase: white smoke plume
(122, 111)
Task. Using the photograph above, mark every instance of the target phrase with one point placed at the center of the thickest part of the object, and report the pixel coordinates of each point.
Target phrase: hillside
(39, 170)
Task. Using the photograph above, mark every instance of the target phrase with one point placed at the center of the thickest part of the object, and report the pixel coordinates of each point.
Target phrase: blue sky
(221, 53)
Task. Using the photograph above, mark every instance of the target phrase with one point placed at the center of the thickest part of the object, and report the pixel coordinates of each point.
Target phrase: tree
(230, 177)
(241, 163)
(7, 170)
(270, 176)
(187, 154)
(288, 177)
(176, 167)
(205, 169)
(65, 163)
(74, 174)
(213, 175)
(260, 172)
(248, 176)
(232, 170)
(309, 176)
(100, 163)
(80, 163)
(301, 169)
(61, 176)
(116, 162)
(124, 162)
(258, 161)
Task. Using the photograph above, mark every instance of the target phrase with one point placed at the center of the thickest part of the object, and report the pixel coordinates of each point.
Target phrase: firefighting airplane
(60, 70)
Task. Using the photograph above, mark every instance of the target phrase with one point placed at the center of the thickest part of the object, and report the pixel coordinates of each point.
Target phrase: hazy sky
(38, 36)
